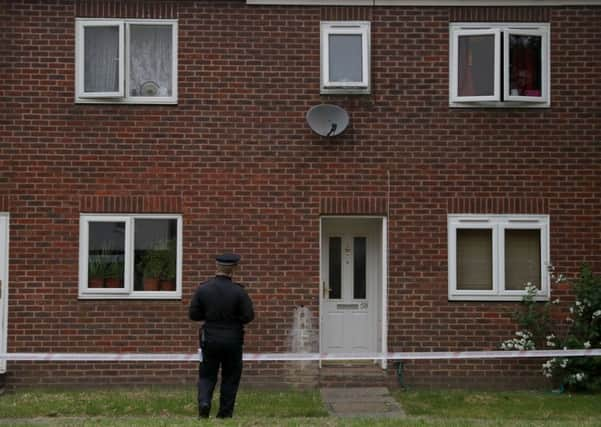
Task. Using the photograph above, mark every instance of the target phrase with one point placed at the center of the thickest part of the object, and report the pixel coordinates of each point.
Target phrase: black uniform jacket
(224, 306)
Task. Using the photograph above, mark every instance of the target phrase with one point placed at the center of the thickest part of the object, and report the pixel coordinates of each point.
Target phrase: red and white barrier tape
(193, 357)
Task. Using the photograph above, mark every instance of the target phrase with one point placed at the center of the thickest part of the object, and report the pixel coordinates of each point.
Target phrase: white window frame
(497, 224)
(127, 292)
(361, 28)
(544, 64)
(122, 95)
(455, 97)
(501, 30)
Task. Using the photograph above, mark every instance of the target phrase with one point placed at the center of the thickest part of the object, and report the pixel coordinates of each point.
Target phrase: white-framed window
(494, 257)
(499, 65)
(345, 57)
(126, 61)
(130, 256)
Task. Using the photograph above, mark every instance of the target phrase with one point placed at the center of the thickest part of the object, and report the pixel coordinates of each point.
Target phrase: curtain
(476, 65)
(151, 54)
(474, 259)
(465, 64)
(101, 59)
(522, 259)
(525, 65)
(346, 60)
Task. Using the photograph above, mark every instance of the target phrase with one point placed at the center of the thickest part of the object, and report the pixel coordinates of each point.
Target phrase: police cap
(228, 259)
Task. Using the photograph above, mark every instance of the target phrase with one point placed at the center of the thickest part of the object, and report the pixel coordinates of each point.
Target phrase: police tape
(298, 357)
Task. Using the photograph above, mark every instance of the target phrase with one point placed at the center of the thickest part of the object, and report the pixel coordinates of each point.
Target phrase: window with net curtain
(144, 51)
(346, 58)
(101, 59)
(150, 56)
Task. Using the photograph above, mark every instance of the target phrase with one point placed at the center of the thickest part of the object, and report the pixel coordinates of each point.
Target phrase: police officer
(225, 308)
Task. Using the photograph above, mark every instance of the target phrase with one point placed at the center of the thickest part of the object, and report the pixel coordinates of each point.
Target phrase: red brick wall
(237, 160)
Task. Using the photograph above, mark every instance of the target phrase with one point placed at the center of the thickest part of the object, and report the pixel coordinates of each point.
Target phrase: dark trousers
(229, 357)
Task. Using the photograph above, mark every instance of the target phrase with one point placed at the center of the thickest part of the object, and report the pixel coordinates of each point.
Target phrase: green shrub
(583, 332)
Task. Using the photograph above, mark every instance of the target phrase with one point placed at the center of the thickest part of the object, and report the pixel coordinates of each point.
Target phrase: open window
(126, 61)
(345, 57)
(494, 257)
(499, 65)
(525, 59)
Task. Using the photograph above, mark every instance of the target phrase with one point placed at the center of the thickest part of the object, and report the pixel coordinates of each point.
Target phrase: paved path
(361, 402)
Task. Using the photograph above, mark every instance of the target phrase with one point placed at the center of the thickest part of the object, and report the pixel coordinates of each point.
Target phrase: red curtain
(525, 67)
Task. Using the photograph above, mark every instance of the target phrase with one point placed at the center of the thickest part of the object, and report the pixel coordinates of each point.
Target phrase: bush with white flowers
(583, 332)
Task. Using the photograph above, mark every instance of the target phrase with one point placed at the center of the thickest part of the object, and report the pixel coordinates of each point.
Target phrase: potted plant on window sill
(151, 266)
(114, 275)
(168, 272)
(95, 272)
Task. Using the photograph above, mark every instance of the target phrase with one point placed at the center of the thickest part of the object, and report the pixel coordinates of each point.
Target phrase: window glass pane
(525, 65)
(151, 60)
(359, 264)
(474, 259)
(101, 59)
(346, 58)
(155, 254)
(522, 259)
(106, 254)
(476, 64)
(335, 275)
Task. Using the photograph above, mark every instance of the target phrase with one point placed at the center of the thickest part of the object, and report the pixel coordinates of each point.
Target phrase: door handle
(326, 290)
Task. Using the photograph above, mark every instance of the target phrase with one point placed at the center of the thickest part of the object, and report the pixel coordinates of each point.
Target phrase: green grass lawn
(166, 407)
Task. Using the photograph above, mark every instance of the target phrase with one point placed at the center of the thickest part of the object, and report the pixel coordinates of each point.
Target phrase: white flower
(577, 302)
(572, 310)
(597, 313)
(587, 344)
(563, 363)
(555, 301)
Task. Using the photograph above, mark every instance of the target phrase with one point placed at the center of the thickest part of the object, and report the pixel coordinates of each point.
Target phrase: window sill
(493, 298)
(345, 91)
(496, 104)
(114, 101)
(138, 296)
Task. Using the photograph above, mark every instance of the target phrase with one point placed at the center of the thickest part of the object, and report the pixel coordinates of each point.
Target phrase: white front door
(3, 286)
(349, 285)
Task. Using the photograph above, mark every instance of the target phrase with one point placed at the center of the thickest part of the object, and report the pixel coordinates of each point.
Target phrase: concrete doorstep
(361, 402)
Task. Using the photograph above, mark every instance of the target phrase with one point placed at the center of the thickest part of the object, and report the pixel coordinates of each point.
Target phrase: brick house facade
(229, 163)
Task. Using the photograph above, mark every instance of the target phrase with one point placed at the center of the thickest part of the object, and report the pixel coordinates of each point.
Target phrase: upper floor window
(130, 256)
(345, 57)
(494, 257)
(499, 65)
(126, 61)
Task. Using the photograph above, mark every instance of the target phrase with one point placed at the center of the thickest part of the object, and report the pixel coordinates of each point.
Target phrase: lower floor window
(497, 256)
(136, 256)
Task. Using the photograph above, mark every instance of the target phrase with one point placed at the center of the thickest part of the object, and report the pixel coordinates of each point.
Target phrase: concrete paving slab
(361, 402)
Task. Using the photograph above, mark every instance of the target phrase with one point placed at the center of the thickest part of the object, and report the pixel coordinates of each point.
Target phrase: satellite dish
(327, 119)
